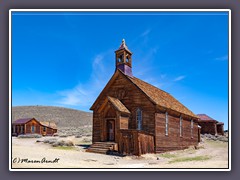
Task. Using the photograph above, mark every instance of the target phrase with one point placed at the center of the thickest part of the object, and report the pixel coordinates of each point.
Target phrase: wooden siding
(115, 115)
(124, 122)
(36, 127)
(27, 128)
(208, 127)
(173, 140)
(133, 98)
(134, 142)
(152, 137)
(220, 129)
(96, 131)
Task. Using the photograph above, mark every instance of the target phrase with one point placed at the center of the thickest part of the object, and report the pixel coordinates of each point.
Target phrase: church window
(139, 118)
(166, 124)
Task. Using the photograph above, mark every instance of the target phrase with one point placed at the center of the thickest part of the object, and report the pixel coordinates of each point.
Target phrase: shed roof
(204, 117)
(49, 124)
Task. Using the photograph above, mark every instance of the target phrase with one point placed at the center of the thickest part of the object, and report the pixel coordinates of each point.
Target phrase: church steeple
(124, 59)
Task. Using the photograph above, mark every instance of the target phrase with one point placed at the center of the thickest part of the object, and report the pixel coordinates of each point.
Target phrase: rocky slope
(63, 117)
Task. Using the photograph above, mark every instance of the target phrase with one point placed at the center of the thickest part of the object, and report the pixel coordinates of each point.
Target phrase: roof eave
(159, 106)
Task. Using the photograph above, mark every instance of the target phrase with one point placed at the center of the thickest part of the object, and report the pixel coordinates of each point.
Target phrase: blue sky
(66, 58)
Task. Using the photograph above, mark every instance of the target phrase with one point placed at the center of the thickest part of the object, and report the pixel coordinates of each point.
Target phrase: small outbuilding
(210, 125)
(32, 126)
(51, 127)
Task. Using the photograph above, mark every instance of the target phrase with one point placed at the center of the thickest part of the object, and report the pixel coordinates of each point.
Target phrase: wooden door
(110, 130)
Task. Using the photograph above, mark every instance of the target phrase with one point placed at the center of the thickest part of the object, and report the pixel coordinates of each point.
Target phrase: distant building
(32, 126)
(210, 125)
(135, 117)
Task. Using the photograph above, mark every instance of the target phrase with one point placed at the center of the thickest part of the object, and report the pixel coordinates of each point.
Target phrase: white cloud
(84, 94)
(145, 33)
(179, 78)
(74, 97)
(97, 62)
(222, 58)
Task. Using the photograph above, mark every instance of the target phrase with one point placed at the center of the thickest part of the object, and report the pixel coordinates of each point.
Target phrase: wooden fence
(135, 142)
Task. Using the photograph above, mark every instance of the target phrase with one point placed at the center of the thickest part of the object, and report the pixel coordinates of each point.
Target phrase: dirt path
(27, 153)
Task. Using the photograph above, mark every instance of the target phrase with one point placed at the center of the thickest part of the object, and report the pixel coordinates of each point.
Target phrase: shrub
(62, 143)
(68, 143)
(87, 140)
(50, 140)
(55, 134)
(63, 135)
(30, 136)
(78, 136)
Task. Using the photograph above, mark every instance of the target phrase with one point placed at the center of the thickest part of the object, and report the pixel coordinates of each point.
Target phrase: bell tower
(124, 59)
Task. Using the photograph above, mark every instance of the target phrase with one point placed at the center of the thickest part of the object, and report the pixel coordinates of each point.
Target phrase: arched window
(139, 118)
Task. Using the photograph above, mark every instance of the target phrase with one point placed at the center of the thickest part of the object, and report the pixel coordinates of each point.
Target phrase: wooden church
(131, 116)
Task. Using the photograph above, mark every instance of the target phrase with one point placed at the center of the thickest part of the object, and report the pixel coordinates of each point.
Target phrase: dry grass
(76, 157)
(217, 144)
(186, 159)
(168, 155)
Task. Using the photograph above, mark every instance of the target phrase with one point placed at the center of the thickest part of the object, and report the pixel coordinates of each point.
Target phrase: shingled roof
(118, 104)
(204, 117)
(49, 124)
(156, 95)
(22, 121)
(160, 97)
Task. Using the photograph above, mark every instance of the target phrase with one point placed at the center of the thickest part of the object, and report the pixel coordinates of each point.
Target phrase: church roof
(156, 95)
(118, 104)
(160, 97)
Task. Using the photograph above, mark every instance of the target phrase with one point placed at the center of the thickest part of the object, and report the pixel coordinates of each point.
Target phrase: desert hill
(63, 117)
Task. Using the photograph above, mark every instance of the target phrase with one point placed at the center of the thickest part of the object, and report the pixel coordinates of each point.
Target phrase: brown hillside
(63, 117)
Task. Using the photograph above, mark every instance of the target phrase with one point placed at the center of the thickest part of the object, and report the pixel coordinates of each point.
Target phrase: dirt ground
(27, 153)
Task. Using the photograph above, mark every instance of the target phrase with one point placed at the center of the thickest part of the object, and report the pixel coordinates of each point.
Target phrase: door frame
(114, 129)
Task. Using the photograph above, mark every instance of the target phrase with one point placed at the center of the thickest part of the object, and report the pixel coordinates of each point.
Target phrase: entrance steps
(103, 147)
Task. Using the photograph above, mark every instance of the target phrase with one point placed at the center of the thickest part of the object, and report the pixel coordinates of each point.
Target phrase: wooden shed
(134, 117)
(31, 126)
(50, 127)
(210, 125)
